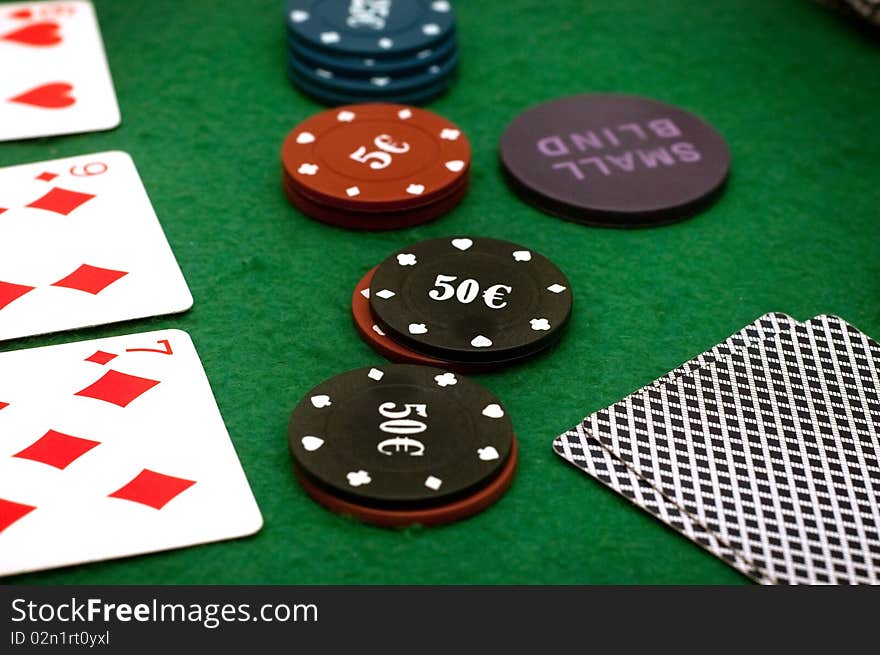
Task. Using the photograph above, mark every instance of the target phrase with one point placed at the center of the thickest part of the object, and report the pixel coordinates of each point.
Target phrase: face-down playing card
(773, 448)
(111, 448)
(583, 451)
(55, 76)
(80, 245)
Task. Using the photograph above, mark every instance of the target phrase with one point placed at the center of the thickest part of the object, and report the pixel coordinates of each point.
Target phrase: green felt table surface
(205, 107)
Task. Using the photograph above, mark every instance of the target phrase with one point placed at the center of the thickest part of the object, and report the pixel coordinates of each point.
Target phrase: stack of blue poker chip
(349, 51)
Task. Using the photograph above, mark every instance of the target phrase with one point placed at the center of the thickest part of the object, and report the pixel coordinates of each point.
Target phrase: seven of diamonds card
(80, 245)
(55, 78)
(111, 448)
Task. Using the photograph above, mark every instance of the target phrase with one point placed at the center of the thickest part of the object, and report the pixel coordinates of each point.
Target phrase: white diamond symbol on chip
(404, 114)
(378, 330)
(330, 37)
(375, 374)
(307, 169)
(321, 72)
(539, 324)
(380, 81)
(556, 288)
(431, 29)
(358, 478)
(345, 116)
(446, 379)
(386, 43)
(433, 483)
(366, 292)
(407, 259)
(305, 137)
(352, 191)
(450, 134)
(385, 294)
(299, 16)
(442, 6)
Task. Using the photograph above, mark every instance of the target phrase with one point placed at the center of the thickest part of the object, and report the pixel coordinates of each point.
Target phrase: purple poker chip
(615, 160)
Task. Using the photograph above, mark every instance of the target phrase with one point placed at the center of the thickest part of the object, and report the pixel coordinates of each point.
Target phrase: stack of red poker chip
(376, 166)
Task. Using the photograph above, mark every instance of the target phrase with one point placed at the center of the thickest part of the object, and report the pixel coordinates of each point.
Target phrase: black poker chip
(471, 299)
(614, 160)
(400, 436)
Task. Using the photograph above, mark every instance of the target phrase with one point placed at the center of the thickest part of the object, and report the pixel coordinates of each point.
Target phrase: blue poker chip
(372, 28)
(351, 66)
(378, 86)
(335, 98)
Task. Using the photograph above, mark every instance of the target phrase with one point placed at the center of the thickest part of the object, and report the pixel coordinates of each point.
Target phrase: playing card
(55, 76)
(580, 449)
(110, 448)
(80, 245)
(774, 449)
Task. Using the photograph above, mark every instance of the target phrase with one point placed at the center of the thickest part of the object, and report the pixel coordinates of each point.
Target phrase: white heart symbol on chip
(462, 244)
(312, 444)
(488, 453)
(321, 401)
(493, 411)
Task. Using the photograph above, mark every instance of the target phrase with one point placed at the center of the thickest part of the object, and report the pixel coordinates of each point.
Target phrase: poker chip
(401, 438)
(614, 160)
(342, 52)
(471, 299)
(374, 337)
(376, 158)
(454, 511)
(370, 66)
(374, 221)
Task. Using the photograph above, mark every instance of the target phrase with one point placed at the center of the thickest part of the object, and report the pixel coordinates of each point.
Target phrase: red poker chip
(390, 220)
(393, 518)
(376, 156)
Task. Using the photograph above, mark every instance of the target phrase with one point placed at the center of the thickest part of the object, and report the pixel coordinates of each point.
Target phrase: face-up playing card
(582, 450)
(80, 245)
(775, 449)
(111, 448)
(55, 76)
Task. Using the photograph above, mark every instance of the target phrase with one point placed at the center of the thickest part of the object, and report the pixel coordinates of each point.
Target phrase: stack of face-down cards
(763, 450)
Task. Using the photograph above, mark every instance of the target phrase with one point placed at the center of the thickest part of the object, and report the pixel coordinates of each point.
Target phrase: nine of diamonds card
(80, 245)
(111, 448)
(55, 78)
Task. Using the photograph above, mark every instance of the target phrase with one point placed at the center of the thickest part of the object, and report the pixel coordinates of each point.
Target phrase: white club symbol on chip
(307, 169)
(450, 134)
(407, 259)
(321, 401)
(540, 324)
(358, 478)
(446, 379)
(417, 328)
